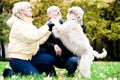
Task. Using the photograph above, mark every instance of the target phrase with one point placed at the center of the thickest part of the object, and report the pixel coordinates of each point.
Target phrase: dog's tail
(101, 55)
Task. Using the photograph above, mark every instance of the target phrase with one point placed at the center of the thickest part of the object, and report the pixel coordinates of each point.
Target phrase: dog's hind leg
(85, 64)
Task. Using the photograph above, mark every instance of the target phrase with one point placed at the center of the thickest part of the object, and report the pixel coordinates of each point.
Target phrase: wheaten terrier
(73, 37)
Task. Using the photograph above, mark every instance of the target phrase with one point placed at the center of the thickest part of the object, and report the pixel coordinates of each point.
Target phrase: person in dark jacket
(53, 52)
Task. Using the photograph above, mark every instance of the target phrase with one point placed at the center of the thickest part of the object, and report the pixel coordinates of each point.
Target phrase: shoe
(71, 74)
(8, 72)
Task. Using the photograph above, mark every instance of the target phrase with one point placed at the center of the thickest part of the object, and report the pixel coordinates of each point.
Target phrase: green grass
(99, 71)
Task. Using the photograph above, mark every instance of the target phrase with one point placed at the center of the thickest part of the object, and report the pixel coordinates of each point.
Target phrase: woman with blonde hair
(24, 39)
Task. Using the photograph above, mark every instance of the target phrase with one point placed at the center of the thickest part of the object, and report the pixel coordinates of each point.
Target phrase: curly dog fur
(73, 37)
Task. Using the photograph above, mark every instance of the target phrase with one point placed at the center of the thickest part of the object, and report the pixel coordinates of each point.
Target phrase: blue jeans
(47, 61)
(23, 67)
(37, 65)
(44, 63)
(69, 63)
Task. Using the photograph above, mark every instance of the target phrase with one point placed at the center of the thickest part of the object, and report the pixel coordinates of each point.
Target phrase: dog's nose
(78, 17)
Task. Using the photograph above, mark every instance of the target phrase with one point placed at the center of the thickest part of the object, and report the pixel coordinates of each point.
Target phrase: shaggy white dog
(73, 37)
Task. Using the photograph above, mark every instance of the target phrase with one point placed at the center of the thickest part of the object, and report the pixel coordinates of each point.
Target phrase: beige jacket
(25, 38)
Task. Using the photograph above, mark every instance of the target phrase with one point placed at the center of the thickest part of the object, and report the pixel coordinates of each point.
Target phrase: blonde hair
(19, 8)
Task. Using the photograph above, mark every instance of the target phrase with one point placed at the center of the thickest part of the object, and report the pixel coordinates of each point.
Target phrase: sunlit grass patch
(99, 71)
(104, 70)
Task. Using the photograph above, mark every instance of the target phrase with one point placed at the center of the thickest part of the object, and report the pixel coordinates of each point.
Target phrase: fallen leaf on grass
(48, 78)
(1, 78)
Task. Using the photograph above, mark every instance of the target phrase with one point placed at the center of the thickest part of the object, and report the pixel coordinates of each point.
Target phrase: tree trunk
(117, 51)
(113, 50)
(3, 50)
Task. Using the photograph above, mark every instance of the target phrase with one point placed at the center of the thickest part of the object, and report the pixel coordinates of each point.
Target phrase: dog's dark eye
(71, 12)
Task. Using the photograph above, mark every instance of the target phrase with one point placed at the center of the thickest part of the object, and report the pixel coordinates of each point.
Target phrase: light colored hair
(18, 9)
(75, 12)
(51, 8)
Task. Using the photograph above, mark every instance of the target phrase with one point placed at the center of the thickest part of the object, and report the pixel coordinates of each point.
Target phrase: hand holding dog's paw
(50, 24)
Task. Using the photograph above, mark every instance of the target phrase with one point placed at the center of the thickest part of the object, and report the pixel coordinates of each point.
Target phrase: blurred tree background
(101, 19)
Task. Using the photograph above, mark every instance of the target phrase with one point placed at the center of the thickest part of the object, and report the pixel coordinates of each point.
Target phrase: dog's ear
(73, 11)
(70, 12)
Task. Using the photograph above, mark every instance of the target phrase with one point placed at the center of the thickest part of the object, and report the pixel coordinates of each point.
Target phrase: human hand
(58, 50)
(50, 24)
(61, 21)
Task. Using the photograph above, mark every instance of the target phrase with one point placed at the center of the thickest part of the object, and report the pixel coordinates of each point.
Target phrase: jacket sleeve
(44, 39)
(29, 33)
(83, 27)
(49, 44)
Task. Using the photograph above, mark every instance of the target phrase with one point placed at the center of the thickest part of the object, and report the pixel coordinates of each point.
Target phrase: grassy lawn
(99, 71)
